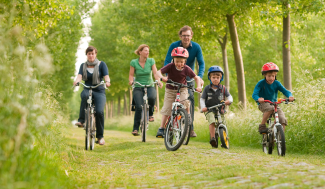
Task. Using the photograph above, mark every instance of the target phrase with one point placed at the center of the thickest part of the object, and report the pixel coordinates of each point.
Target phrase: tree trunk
(119, 106)
(157, 98)
(238, 60)
(111, 109)
(223, 45)
(125, 109)
(286, 48)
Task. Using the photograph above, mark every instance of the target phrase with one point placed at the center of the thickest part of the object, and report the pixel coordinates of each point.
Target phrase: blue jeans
(138, 93)
(99, 100)
(191, 98)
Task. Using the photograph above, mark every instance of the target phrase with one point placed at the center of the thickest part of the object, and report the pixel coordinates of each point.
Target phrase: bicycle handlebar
(279, 101)
(133, 84)
(173, 83)
(92, 87)
(215, 106)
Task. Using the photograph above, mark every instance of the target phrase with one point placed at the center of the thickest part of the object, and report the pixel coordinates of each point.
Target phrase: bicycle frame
(220, 123)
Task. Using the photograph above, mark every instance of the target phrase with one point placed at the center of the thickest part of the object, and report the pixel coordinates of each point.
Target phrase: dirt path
(125, 162)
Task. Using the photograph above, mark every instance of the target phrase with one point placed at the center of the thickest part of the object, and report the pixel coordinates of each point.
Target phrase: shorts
(266, 107)
(170, 96)
(210, 116)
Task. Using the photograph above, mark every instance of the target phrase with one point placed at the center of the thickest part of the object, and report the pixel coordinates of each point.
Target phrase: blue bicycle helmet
(215, 69)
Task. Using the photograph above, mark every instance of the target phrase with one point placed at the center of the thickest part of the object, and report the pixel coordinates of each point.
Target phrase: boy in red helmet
(177, 72)
(267, 89)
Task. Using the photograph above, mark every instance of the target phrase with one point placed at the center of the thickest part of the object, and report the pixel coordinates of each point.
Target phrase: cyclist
(195, 52)
(212, 95)
(142, 68)
(177, 71)
(92, 72)
(267, 89)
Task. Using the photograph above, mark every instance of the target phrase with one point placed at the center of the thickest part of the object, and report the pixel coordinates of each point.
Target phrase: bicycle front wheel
(145, 123)
(189, 130)
(92, 131)
(176, 130)
(87, 136)
(280, 141)
(224, 138)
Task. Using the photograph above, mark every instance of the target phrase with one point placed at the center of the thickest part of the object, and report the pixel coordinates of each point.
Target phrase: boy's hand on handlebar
(205, 109)
(227, 102)
(291, 99)
(160, 84)
(198, 89)
(261, 100)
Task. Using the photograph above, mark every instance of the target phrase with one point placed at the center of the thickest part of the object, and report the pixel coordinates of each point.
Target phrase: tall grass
(304, 133)
(32, 151)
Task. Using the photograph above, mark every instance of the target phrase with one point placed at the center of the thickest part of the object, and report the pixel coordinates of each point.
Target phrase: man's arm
(200, 60)
(168, 58)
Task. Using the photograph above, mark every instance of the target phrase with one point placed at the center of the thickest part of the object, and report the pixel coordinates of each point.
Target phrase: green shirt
(143, 75)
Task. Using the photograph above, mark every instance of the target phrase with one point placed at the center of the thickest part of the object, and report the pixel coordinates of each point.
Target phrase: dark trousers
(138, 93)
(99, 100)
(191, 98)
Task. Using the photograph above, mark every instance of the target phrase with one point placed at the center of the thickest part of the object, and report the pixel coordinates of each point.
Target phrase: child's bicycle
(220, 124)
(177, 123)
(275, 133)
(144, 123)
(187, 137)
(90, 118)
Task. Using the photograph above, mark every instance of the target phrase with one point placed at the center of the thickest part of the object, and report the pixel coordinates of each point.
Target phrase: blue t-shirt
(194, 51)
(269, 91)
(103, 71)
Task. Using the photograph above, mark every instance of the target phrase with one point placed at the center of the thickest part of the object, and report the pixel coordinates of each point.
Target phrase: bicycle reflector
(279, 99)
(179, 117)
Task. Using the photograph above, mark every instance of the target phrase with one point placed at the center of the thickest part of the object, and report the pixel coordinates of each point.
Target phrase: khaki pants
(170, 96)
(266, 107)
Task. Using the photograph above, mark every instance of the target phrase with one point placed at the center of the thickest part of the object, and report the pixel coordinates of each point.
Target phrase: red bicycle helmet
(270, 66)
(180, 52)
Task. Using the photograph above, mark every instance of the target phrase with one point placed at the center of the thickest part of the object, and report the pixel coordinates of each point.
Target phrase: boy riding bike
(213, 94)
(177, 72)
(267, 89)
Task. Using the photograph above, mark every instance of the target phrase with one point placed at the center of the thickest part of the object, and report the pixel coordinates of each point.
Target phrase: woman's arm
(78, 79)
(131, 75)
(107, 80)
(154, 71)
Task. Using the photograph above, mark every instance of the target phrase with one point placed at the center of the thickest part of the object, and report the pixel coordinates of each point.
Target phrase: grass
(125, 162)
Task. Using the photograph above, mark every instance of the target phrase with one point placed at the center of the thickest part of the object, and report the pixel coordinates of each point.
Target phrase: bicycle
(144, 123)
(220, 125)
(177, 123)
(275, 133)
(187, 137)
(90, 118)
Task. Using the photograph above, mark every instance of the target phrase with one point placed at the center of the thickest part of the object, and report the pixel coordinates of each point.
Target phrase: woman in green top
(142, 69)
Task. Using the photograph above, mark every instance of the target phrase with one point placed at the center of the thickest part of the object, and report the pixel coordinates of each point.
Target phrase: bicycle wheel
(281, 143)
(176, 130)
(187, 136)
(271, 142)
(92, 131)
(224, 138)
(264, 142)
(87, 136)
(145, 123)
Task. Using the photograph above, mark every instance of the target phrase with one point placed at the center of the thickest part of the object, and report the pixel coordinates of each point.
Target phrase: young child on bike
(213, 94)
(267, 89)
(177, 72)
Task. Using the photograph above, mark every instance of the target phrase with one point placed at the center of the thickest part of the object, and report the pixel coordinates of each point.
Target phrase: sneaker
(214, 142)
(79, 124)
(193, 134)
(160, 133)
(135, 133)
(262, 128)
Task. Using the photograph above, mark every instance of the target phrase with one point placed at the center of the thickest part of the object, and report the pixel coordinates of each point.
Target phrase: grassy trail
(125, 162)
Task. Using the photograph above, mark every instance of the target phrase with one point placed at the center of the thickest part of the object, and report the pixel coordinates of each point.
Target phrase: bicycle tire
(87, 136)
(145, 123)
(264, 141)
(224, 138)
(281, 143)
(92, 129)
(271, 143)
(178, 124)
(189, 130)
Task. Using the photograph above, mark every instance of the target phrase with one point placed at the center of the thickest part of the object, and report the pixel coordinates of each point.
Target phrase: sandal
(151, 119)
(135, 133)
(101, 141)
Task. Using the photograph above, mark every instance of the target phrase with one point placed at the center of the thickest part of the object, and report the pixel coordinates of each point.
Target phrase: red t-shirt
(175, 75)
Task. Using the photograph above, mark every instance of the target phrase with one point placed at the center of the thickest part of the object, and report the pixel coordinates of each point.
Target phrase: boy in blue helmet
(213, 94)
